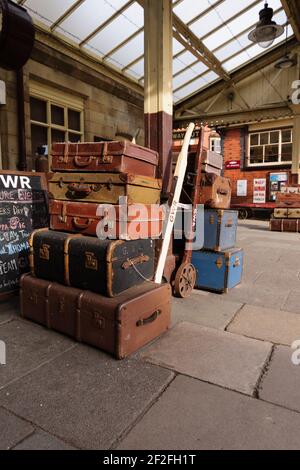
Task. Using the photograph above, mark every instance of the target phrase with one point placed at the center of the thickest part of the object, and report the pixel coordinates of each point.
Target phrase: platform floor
(222, 378)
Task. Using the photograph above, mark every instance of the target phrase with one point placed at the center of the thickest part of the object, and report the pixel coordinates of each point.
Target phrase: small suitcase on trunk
(118, 326)
(80, 217)
(281, 213)
(213, 159)
(105, 188)
(103, 266)
(218, 272)
(220, 229)
(215, 191)
(285, 225)
(211, 169)
(109, 157)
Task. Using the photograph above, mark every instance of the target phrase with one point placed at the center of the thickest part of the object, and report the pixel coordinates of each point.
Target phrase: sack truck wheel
(185, 280)
(243, 214)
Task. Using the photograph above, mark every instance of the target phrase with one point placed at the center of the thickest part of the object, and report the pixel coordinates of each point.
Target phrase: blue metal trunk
(220, 229)
(218, 272)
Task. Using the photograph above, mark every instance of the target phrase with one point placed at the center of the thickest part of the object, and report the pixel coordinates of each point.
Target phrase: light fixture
(16, 35)
(286, 62)
(266, 30)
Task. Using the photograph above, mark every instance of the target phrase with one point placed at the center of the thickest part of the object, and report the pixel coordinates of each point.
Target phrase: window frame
(53, 97)
(269, 131)
(215, 138)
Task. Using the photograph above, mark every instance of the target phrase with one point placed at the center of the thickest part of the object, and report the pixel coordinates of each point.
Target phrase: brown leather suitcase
(215, 191)
(108, 267)
(105, 188)
(288, 200)
(81, 217)
(119, 326)
(285, 225)
(110, 157)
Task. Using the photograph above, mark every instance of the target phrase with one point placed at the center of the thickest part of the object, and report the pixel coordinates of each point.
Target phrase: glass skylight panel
(137, 69)
(120, 29)
(184, 78)
(48, 11)
(131, 51)
(89, 16)
(236, 61)
(206, 23)
(189, 9)
(177, 46)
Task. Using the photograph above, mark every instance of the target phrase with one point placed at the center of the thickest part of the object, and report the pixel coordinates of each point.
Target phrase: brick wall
(234, 148)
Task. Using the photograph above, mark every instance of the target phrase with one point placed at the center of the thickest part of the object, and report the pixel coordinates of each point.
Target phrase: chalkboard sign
(23, 208)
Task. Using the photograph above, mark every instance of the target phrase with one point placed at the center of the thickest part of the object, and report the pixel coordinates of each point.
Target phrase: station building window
(54, 117)
(215, 144)
(274, 147)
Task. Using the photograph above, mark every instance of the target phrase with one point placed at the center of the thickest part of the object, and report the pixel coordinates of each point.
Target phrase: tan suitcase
(294, 213)
(281, 213)
(105, 188)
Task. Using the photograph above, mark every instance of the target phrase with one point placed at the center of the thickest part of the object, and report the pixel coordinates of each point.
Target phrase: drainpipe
(22, 161)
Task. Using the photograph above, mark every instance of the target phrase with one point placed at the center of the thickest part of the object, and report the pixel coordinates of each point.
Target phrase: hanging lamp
(286, 62)
(266, 30)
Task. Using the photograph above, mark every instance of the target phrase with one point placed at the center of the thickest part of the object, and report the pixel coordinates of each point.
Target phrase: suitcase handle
(84, 188)
(81, 225)
(134, 261)
(149, 320)
(83, 161)
(223, 192)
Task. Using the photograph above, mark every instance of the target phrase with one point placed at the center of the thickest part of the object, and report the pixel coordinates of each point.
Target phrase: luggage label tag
(91, 261)
(45, 252)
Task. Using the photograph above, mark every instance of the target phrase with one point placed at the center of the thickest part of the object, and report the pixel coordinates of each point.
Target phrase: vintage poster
(259, 191)
(242, 188)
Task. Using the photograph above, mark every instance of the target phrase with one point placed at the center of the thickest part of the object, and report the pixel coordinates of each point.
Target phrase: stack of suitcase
(219, 264)
(99, 291)
(286, 216)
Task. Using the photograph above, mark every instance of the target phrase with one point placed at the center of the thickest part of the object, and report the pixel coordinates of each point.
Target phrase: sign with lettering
(259, 191)
(23, 208)
(233, 165)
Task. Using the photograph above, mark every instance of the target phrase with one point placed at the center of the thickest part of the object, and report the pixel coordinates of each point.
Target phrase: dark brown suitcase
(118, 326)
(285, 225)
(103, 266)
(80, 217)
(215, 191)
(120, 157)
(105, 188)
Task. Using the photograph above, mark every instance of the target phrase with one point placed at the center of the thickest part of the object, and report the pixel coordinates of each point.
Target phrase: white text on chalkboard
(9, 181)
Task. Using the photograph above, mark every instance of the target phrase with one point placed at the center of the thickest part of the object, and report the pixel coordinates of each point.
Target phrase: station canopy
(113, 30)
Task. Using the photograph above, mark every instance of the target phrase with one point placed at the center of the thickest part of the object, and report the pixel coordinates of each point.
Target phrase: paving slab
(217, 357)
(281, 383)
(27, 347)
(287, 278)
(276, 326)
(259, 295)
(209, 311)
(192, 415)
(41, 440)
(85, 397)
(12, 429)
(9, 310)
(292, 303)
